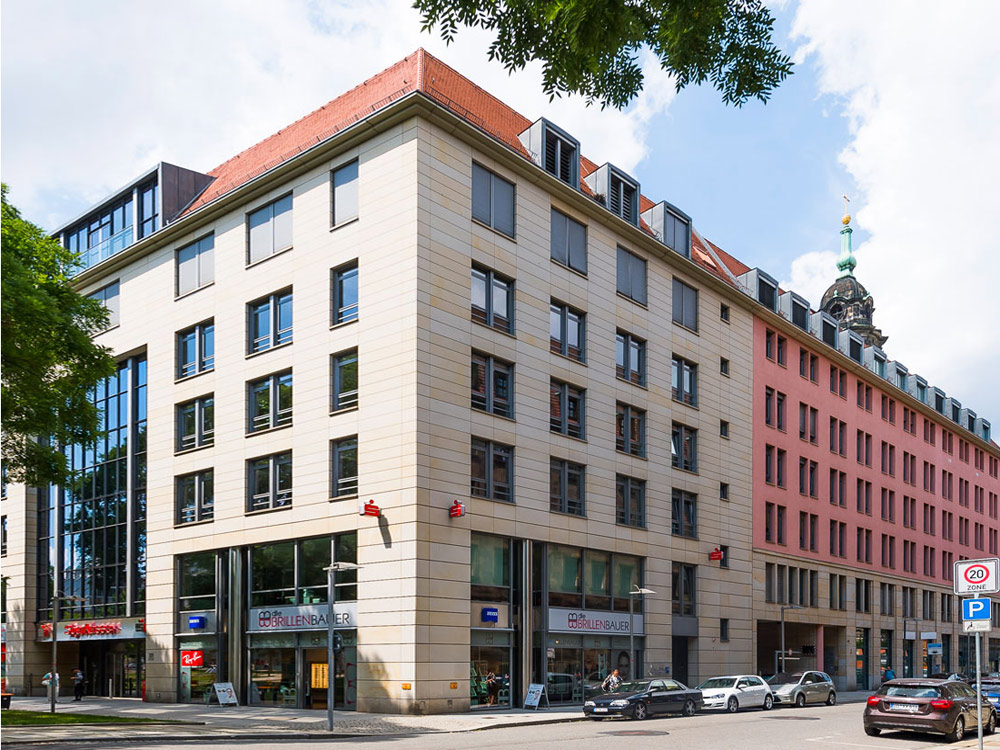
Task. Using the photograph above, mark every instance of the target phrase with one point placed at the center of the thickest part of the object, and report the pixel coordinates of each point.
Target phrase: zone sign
(977, 576)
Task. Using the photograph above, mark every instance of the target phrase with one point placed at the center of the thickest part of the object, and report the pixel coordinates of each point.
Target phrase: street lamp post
(787, 606)
(57, 598)
(331, 595)
(631, 628)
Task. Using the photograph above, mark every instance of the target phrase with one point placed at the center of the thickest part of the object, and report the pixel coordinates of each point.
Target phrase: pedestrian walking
(889, 674)
(611, 682)
(52, 683)
(78, 680)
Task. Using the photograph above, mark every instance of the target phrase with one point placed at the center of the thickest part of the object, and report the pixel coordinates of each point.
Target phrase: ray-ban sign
(977, 576)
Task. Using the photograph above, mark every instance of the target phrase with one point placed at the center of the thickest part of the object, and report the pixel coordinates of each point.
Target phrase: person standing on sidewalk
(78, 680)
(52, 683)
(611, 682)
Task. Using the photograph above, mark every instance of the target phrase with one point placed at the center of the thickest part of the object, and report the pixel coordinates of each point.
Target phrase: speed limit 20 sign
(977, 576)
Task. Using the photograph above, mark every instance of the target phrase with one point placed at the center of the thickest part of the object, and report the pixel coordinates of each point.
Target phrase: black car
(643, 698)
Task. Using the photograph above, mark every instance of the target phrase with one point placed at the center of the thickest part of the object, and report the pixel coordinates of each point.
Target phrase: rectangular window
(683, 589)
(344, 467)
(109, 297)
(492, 200)
(685, 307)
(492, 299)
(723, 630)
(196, 423)
(630, 430)
(630, 501)
(684, 514)
(196, 349)
(345, 193)
(684, 381)
(569, 242)
(492, 470)
(269, 229)
(269, 482)
(630, 358)
(723, 490)
(566, 331)
(269, 402)
(566, 409)
(195, 497)
(344, 374)
(684, 447)
(270, 322)
(196, 265)
(631, 276)
(344, 283)
(566, 485)
(492, 385)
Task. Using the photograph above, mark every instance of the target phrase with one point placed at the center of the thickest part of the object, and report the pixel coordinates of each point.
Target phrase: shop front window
(564, 577)
(597, 579)
(291, 573)
(273, 673)
(489, 669)
(199, 669)
(197, 584)
(490, 568)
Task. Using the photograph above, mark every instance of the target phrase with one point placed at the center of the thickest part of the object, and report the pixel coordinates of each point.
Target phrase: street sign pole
(979, 691)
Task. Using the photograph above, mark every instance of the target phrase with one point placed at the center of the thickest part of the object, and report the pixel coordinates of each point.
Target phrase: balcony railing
(105, 249)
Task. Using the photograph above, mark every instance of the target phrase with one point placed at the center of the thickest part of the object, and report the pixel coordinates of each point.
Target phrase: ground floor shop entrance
(577, 665)
(114, 669)
(290, 670)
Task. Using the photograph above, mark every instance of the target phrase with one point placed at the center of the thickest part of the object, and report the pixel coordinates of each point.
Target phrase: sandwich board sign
(977, 577)
(536, 691)
(226, 694)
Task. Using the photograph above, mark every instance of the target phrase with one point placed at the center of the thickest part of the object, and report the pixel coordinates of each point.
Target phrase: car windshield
(717, 682)
(784, 678)
(632, 687)
(910, 691)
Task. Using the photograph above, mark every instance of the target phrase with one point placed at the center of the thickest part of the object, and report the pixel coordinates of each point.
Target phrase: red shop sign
(192, 658)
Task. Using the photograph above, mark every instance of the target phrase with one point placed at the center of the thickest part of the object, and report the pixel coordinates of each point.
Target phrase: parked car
(643, 698)
(737, 691)
(991, 690)
(800, 688)
(945, 707)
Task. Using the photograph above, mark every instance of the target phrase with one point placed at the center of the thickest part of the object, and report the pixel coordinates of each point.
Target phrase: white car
(734, 692)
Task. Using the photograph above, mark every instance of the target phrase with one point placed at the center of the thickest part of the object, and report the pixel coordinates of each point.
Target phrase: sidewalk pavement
(256, 722)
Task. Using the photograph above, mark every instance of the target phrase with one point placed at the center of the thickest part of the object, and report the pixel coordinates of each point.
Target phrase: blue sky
(909, 132)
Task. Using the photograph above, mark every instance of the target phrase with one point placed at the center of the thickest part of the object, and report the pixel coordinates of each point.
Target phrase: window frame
(561, 346)
(488, 316)
(683, 513)
(352, 181)
(203, 340)
(489, 400)
(338, 402)
(489, 488)
(625, 344)
(633, 266)
(200, 251)
(202, 437)
(625, 415)
(340, 313)
(271, 220)
(679, 368)
(271, 305)
(491, 221)
(277, 497)
(624, 487)
(688, 436)
(343, 485)
(201, 510)
(568, 395)
(568, 233)
(562, 499)
(680, 313)
(276, 416)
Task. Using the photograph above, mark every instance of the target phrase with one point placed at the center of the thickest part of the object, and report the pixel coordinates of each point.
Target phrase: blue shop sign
(197, 622)
(491, 614)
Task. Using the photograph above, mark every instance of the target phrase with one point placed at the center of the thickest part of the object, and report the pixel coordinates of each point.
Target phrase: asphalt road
(810, 728)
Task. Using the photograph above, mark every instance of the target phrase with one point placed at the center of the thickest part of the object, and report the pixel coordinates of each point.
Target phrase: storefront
(493, 629)
(112, 653)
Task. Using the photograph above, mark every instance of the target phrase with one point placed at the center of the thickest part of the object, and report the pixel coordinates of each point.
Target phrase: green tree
(49, 361)
(591, 47)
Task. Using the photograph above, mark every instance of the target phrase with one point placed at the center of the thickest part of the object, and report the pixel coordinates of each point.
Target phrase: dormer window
(765, 293)
(560, 156)
(671, 226)
(855, 350)
(800, 315)
(880, 366)
(829, 333)
(939, 402)
(622, 198)
(922, 393)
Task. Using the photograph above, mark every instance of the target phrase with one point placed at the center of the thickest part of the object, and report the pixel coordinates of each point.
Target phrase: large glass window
(683, 588)
(269, 482)
(269, 402)
(103, 236)
(630, 501)
(566, 409)
(196, 349)
(566, 483)
(631, 276)
(196, 423)
(270, 321)
(684, 514)
(566, 334)
(565, 576)
(294, 572)
(492, 200)
(196, 497)
(345, 193)
(344, 368)
(197, 581)
(569, 242)
(684, 381)
(630, 430)
(196, 265)
(684, 447)
(149, 210)
(344, 282)
(492, 470)
(597, 579)
(591, 579)
(492, 299)
(344, 467)
(269, 229)
(490, 568)
(492, 385)
(630, 358)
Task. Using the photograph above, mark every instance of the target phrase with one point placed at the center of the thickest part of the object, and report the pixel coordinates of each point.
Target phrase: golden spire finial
(847, 217)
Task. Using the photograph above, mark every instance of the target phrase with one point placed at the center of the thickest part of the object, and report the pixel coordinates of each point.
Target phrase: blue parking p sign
(975, 609)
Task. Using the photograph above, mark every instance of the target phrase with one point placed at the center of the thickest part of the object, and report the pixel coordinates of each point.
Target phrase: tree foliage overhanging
(591, 47)
(49, 360)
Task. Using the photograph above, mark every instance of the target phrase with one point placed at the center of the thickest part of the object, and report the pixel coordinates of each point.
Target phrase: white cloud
(95, 93)
(918, 84)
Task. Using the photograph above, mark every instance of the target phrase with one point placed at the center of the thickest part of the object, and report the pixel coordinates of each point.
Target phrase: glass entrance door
(861, 658)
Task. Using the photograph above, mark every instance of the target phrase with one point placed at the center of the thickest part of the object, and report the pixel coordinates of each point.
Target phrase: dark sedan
(644, 698)
(945, 707)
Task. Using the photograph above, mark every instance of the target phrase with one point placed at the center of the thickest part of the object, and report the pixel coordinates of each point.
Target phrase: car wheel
(873, 731)
(640, 711)
(733, 705)
(958, 732)
(768, 702)
(800, 700)
(689, 708)
(991, 726)
(831, 699)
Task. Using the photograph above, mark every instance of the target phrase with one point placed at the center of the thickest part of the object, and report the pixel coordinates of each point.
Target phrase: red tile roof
(426, 74)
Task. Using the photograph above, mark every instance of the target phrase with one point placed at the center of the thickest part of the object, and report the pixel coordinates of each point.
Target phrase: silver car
(800, 688)
(733, 692)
